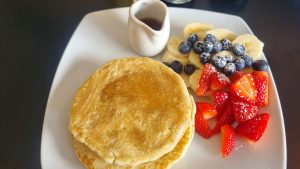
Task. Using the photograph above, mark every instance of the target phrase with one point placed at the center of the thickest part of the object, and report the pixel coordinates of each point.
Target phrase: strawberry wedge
(253, 129)
(207, 110)
(244, 88)
(261, 81)
(204, 81)
(228, 140)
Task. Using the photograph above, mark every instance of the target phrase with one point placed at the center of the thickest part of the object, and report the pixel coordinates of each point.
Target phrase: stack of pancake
(132, 113)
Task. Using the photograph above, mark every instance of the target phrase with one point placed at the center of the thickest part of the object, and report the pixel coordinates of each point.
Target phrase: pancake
(131, 111)
(92, 161)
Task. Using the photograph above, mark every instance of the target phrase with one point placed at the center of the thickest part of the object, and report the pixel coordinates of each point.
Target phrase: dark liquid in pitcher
(152, 23)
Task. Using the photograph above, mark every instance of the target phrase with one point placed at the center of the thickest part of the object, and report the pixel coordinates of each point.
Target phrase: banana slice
(194, 59)
(222, 33)
(167, 56)
(172, 46)
(185, 78)
(224, 53)
(253, 46)
(196, 27)
(194, 79)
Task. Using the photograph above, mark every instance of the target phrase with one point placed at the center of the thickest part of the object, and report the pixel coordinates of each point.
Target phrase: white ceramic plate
(102, 36)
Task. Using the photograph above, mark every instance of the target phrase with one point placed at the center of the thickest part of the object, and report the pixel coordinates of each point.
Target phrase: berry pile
(237, 99)
(228, 64)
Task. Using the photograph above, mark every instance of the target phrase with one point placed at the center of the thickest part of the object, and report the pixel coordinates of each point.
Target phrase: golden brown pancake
(131, 111)
(91, 161)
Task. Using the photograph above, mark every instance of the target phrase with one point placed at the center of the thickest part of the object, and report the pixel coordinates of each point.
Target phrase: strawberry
(204, 81)
(207, 110)
(228, 140)
(201, 126)
(237, 75)
(226, 118)
(244, 88)
(261, 81)
(221, 100)
(243, 111)
(254, 128)
(218, 81)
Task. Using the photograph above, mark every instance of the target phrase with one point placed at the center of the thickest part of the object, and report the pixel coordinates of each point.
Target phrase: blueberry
(239, 64)
(248, 60)
(229, 58)
(198, 47)
(205, 58)
(226, 44)
(167, 64)
(238, 49)
(208, 47)
(184, 47)
(219, 62)
(189, 69)
(176, 66)
(210, 38)
(192, 38)
(229, 69)
(260, 65)
(217, 47)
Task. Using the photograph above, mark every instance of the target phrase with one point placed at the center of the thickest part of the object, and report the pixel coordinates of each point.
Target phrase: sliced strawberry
(244, 88)
(201, 126)
(221, 100)
(237, 75)
(261, 81)
(253, 129)
(243, 111)
(204, 81)
(226, 118)
(228, 140)
(207, 110)
(218, 81)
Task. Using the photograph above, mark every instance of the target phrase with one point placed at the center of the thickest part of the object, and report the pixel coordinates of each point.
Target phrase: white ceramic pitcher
(145, 40)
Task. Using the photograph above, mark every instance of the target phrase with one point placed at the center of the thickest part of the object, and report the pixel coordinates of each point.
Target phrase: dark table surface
(33, 35)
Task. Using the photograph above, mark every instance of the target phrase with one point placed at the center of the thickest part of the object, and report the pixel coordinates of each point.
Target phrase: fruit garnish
(260, 65)
(253, 46)
(239, 64)
(254, 128)
(243, 111)
(192, 38)
(237, 75)
(176, 66)
(238, 49)
(210, 38)
(208, 46)
(205, 58)
(248, 60)
(261, 80)
(204, 81)
(185, 47)
(221, 100)
(226, 118)
(198, 47)
(207, 110)
(227, 140)
(229, 69)
(201, 125)
(244, 88)
(225, 44)
(218, 81)
(217, 47)
(219, 62)
(189, 69)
